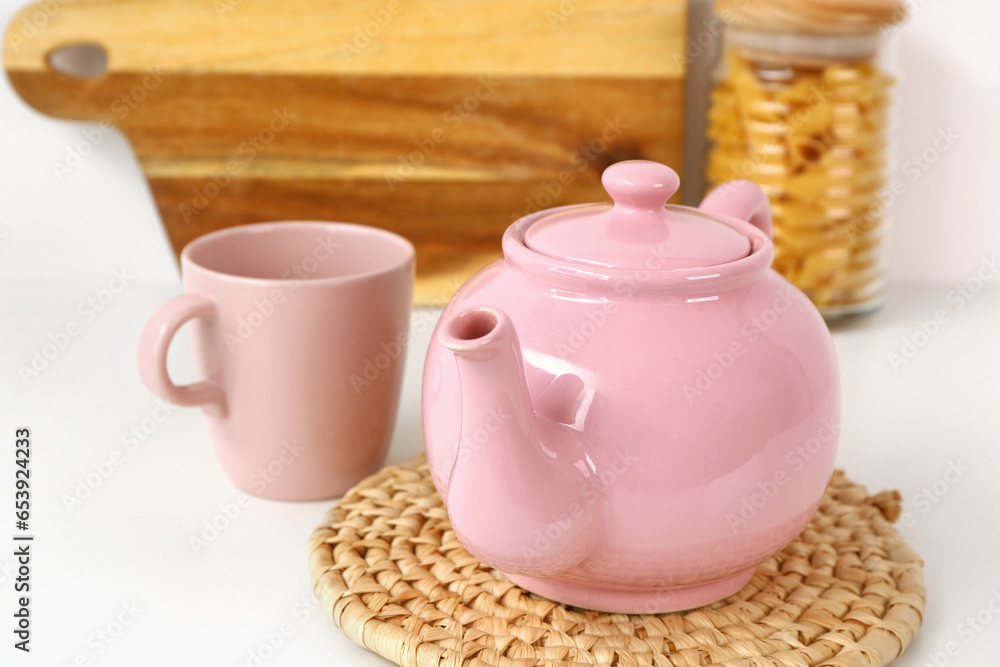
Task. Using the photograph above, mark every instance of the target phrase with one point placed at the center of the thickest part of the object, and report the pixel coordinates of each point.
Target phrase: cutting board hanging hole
(84, 60)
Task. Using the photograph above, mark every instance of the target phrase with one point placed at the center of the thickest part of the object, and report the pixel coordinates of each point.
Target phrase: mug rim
(187, 262)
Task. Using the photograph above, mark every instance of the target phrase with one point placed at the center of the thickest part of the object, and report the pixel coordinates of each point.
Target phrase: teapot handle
(742, 200)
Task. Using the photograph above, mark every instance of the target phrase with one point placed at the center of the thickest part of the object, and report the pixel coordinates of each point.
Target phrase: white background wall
(948, 220)
(944, 224)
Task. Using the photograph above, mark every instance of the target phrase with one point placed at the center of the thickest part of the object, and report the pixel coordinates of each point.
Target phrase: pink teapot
(630, 411)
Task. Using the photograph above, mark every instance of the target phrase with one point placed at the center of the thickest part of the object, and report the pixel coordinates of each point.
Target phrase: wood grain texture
(457, 118)
(634, 38)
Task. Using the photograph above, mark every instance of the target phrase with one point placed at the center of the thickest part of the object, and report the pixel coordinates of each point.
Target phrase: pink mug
(288, 320)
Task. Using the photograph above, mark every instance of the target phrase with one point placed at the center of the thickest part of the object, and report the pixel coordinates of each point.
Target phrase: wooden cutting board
(443, 120)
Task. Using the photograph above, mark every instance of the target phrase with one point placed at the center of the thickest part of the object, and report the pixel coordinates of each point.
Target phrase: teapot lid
(638, 231)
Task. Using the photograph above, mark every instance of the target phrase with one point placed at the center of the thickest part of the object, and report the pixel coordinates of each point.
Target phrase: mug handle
(742, 200)
(154, 341)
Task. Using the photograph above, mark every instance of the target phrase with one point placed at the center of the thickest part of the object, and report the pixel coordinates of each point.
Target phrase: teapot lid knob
(640, 185)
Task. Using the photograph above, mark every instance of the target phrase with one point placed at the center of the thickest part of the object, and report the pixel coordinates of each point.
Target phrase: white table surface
(128, 544)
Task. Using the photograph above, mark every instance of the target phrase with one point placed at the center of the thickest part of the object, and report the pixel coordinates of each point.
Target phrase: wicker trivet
(387, 568)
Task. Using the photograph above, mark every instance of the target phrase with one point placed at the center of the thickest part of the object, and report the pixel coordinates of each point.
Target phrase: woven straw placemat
(387, 568)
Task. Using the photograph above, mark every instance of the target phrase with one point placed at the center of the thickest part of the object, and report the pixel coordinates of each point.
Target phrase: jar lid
(638, 231)
(812, 16)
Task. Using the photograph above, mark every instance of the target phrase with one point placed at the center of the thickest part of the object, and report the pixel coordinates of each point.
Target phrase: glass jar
(801, 107)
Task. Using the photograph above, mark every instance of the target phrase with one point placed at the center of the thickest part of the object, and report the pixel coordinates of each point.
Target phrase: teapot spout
(514, 491)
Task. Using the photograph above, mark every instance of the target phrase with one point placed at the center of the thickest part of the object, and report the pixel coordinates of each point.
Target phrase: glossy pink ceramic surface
(635, 434)
(299, 332)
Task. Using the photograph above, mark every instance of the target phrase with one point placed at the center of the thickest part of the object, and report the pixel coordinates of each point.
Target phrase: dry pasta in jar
(806, 118)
